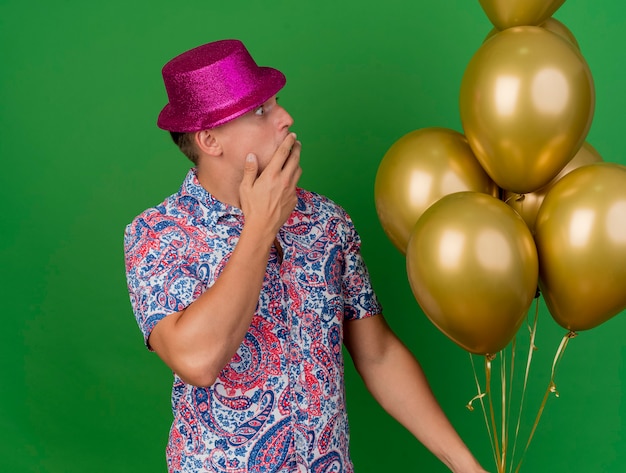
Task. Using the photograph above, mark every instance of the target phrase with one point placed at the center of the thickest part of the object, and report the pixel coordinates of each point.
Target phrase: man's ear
(207, 143)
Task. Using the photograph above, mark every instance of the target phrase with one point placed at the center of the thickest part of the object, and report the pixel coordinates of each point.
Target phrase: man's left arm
(396, 380)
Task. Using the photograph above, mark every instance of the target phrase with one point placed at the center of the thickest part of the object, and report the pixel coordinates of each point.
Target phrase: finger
(250, 170)
(292, 165)
(296, 176)
(282, 153)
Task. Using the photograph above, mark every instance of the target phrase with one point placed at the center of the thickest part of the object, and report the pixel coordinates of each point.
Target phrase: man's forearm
(397, 381)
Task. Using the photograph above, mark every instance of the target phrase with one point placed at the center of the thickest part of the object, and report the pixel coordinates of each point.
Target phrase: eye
(260, 111)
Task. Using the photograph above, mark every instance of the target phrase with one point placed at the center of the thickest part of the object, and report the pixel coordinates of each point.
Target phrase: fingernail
(250, 157)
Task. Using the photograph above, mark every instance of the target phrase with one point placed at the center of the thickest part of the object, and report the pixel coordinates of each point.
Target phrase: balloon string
(504, 423)
(480, 397)
(488, 359)
(551, 389)
(531, 349)
(513, 348)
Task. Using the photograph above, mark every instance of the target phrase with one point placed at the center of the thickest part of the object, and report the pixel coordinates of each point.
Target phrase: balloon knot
(553, 389)
(470, 406)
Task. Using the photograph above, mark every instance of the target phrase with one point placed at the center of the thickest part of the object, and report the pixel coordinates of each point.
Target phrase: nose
(284, 119)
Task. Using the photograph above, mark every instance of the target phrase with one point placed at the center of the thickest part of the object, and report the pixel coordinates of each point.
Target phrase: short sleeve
(160, 280)
(360, 298)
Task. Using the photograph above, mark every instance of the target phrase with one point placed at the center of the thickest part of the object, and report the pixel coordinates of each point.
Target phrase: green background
(80, 89)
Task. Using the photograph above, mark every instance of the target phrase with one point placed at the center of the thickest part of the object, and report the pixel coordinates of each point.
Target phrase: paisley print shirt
(279, 404)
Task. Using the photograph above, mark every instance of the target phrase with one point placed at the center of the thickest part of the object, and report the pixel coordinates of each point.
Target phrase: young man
(246, 286)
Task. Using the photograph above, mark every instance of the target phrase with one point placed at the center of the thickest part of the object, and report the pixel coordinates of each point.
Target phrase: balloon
(555, 26)
(420, 168)
(527, 205)
(472, 266)
(581, 242)
(551, 24)
(507, 13)
(526, 102)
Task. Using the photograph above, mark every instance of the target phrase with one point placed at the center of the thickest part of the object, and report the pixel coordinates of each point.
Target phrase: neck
(224, 187)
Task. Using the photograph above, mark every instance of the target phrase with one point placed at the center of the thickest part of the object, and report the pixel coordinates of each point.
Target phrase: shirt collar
(211, 208)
